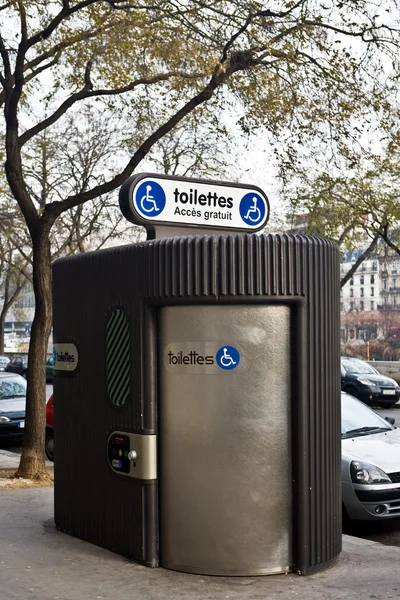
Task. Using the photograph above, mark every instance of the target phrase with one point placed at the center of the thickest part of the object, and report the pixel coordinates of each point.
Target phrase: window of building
(352, 305)
(394, 301)
(374, 265)
(394, 282)
(352, 334)
(361, 279)
(385, 300)
(361, 305)
(372, 305)
(362, 292)
(372, 278)
(372, 291)
(352, 281)
(394, 268)
(351, 293)
(385, 284)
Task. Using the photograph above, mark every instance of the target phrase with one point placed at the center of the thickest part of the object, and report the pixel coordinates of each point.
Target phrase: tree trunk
(2, 326)
(32, 465)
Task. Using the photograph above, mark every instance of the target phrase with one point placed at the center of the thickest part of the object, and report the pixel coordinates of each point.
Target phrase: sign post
(165, 205)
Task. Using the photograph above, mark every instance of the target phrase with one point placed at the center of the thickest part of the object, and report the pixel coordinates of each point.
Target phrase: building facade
(370, 300)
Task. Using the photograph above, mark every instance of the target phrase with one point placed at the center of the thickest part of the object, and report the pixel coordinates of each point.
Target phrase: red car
(49, 444)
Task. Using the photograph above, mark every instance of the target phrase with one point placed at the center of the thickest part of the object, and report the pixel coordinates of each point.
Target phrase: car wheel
(49, 445)
(352, 391)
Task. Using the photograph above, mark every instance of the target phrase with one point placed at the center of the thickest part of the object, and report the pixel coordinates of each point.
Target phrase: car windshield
(12, 387)
(355, 367)
(358, 419)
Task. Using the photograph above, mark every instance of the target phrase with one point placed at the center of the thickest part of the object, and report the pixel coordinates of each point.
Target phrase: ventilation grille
(118, 357)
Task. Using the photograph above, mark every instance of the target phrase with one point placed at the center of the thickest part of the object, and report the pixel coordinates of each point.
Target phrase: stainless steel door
(224, 431)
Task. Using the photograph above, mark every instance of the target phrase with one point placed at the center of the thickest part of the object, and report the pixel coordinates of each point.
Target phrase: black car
(364, 382)
(18, 364)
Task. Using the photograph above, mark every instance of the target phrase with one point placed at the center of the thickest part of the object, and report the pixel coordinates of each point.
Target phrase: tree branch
(360, 260)
(9, 299)
(239, 61)
(24, 29)
(6, 62)
(361, 33)
(232, 40)
(385, 236)
(58, 48)
(66, 11)
(86, 93)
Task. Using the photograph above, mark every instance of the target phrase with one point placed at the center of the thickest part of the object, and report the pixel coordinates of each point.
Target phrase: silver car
(4, 360)
(12, 406)
(370, 463)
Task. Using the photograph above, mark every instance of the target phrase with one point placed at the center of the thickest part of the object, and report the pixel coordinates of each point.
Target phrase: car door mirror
(390, 420)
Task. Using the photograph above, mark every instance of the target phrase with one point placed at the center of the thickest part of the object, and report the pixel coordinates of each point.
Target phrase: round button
(132, 455)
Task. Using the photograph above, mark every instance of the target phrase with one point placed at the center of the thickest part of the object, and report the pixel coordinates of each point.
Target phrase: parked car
(362, 381)
(4, 360)
(18, 364)
(370, 463)
(49, 368)
(49, 444)
(12, 406)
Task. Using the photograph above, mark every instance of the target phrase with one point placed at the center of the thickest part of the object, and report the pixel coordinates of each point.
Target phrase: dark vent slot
(118, 357)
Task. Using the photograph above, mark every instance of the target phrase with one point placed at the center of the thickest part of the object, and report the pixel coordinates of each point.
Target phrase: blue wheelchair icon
(150, 199)
(252, 209)
(228, 358)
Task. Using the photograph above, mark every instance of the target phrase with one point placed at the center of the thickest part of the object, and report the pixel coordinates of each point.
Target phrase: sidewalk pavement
(40, 563)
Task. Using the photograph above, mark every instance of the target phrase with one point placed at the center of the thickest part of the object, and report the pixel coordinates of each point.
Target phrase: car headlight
(4, 419)
(367, 382)
(362, 472)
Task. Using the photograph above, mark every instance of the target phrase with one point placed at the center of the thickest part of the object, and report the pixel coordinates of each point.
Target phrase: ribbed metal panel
(92, 502)
(120, 513)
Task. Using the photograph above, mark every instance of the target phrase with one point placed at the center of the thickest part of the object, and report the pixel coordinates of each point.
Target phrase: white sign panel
(184, 201)
(65, 357)
(207, 358)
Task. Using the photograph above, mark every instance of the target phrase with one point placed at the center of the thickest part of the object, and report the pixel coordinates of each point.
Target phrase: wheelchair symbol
(150, 199)
(228, 358)
(147, 200)
(252, 209)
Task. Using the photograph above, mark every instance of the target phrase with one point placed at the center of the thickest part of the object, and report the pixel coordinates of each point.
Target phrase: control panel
(133, 455)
